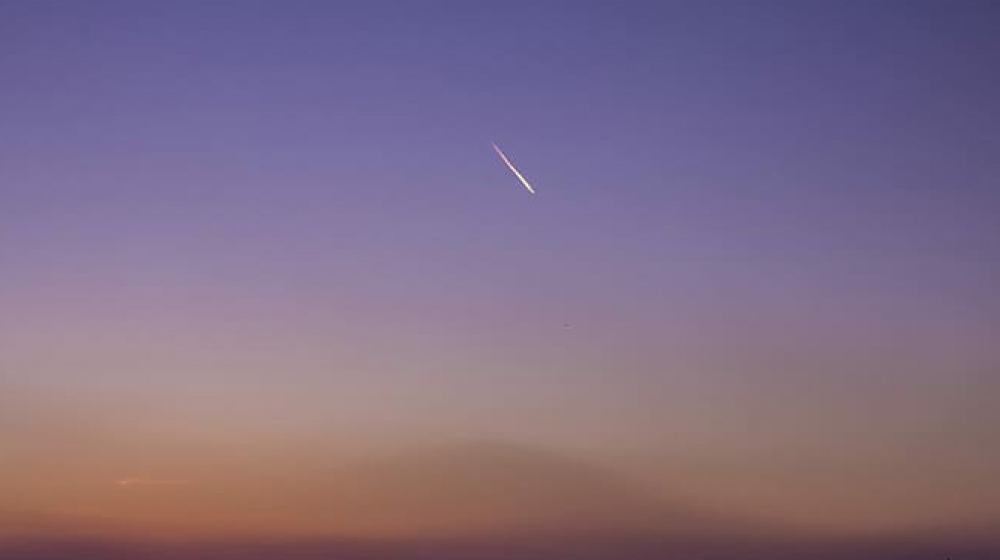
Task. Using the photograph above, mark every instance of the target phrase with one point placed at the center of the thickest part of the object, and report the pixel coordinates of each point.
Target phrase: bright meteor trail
(149, 482)
(514, 169)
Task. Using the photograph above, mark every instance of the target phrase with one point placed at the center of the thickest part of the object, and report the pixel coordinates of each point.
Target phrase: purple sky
(771, 228)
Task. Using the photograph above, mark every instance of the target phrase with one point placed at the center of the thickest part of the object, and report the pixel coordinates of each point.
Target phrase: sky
(261, 260)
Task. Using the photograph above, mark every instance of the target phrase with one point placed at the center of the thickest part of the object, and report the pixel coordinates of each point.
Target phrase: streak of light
(510, 165)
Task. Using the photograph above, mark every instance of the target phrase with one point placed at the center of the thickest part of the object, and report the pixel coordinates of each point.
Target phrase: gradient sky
(244, 243)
